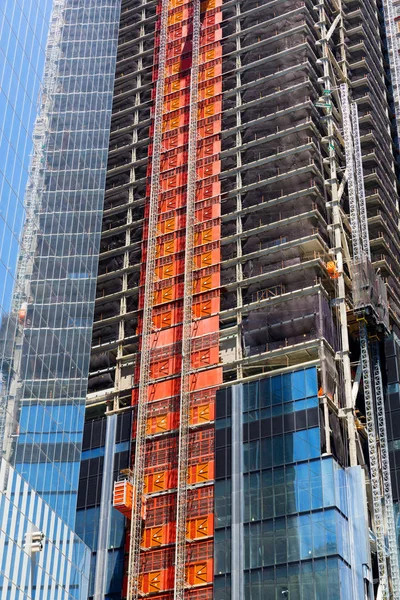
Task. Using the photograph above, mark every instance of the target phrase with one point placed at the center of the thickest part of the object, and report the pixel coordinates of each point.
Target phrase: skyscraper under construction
(243, 411)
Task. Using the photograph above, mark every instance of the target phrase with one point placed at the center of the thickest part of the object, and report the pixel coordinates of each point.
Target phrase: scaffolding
(173, 407)
(187, 317)
(390, 11)
(268, 232)
(147, 320)
(370, 305)
(385, 471)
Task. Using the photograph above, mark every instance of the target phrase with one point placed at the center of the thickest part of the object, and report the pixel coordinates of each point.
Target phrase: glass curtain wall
(53, 305)
(297, 512)
(53, 159)
(23, 34)
(89, 500)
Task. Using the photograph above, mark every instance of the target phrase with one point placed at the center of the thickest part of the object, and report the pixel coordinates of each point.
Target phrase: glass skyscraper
(180, 253)
(290, 522)
(23, 35)
(53, 165)
(226, 316)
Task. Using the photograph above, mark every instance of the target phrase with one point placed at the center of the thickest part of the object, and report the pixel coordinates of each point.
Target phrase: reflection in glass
(50, 221)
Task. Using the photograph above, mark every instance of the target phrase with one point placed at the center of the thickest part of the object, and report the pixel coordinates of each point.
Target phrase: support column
(239, 228)
(237, 562)
(100, 581)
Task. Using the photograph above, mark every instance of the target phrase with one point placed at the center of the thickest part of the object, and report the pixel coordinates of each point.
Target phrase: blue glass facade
(22, 28)
(392, 411)
(52, 180)
(59, 255)
(90, 499)
(23, 34)
(298, 512)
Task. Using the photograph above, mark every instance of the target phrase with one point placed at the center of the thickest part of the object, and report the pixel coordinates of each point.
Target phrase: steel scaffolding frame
(147, 323)
(184, 412)
(372, 380)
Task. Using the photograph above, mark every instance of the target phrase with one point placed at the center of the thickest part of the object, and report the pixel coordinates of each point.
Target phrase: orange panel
(162, 320)
(174, 121)
(159, 482)
(211, 89)
(158, 424)
(201, 472)
(154, 537)
(202, 414)
(205, 306)
(162, 423)
(166, 271)
(169, 247)
(210, 4)
(176, 217)
(163, 295)
(208, 109)
(203, 237)
(200, 573)
(167, 226)
(175, 3)
(210, 126)
(206, 283)
(209, 71)
(200, 528)
(207, 258)
(212, 53)
(156, 581)
(175, 17)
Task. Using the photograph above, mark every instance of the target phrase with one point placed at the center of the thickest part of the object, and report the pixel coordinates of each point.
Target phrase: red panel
(205, 326)
(166, 389)
(204, 379)
(157, 557)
